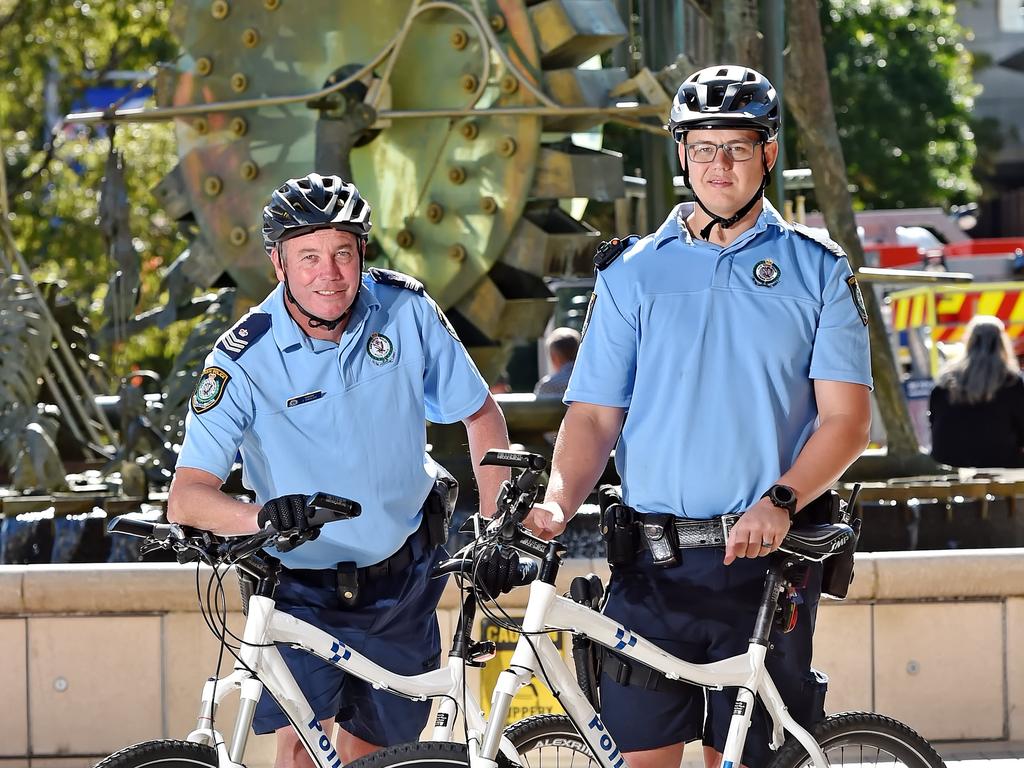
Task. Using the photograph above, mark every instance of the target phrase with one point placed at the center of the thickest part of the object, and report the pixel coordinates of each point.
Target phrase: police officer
(725, 357)
(326, 386)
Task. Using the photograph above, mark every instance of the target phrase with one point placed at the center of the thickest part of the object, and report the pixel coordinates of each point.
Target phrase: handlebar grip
(326, 508)
(517, 459)
(134, 526)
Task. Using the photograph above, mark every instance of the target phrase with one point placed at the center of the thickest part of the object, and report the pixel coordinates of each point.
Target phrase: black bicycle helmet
(301, 206)
(727, 96)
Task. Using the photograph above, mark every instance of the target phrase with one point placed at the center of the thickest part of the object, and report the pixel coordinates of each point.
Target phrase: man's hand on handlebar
(546, 520)
(498, 571)
(288, 515)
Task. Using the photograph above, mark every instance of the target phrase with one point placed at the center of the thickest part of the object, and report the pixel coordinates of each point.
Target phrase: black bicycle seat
(817, 542)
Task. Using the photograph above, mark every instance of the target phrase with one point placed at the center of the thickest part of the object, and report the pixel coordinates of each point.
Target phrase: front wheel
(164, 753)
(421, 754)
(862, 739)
(549, 741)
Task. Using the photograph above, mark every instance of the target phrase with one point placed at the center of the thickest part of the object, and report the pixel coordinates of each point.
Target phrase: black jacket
(985, 435)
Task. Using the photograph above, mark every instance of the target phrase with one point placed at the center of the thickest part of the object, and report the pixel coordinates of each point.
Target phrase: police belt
(397, 563)
(690, 534)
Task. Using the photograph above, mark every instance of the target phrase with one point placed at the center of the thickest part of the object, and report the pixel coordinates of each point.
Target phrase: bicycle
(848, 738)
(258, 662)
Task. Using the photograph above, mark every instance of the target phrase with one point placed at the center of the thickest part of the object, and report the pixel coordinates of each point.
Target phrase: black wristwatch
(783, 497)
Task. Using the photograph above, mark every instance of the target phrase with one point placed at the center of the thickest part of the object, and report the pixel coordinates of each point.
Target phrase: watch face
(783, 494)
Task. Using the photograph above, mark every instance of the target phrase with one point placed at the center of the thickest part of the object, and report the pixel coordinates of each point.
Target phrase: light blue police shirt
(713, 352)
(348, 418)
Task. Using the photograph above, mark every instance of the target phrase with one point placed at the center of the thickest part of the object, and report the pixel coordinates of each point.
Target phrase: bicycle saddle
(816, 542)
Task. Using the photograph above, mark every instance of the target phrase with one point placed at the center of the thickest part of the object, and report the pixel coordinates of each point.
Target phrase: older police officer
(727, 354)
(326, 386)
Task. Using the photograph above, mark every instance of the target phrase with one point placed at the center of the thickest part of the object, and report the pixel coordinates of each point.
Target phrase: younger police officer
(726, 358)
(326, 386)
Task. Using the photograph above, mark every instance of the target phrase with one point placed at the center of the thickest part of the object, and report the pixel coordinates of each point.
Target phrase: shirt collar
(287, 332)
(673, 226)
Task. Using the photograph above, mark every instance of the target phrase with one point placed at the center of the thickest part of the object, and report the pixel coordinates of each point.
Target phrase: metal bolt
(913, 667)
(457, 253)
(508, 84)
(60, 684)
(405, 239)
(250, 37)
(469, 83)
(249, 170)
(498, 22)
(456, 174)
(488, 205)
(238, 126)
(238, 236)
(459, 38)
(204, 66)
(507, 147)
(469, 130)
(239, 82)
(212, 185)
(220, 9)
(200, 125)
(435, 212)
(271, 5)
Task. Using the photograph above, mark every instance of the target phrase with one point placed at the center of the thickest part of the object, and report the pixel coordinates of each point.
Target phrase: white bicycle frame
(265, 625)
(535, 653)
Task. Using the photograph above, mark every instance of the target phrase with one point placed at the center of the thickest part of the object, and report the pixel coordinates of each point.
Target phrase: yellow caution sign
(532, 699)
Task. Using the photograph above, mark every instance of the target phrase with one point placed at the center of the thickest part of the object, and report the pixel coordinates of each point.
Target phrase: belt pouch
(348, 584)
(660, 532)
(439, 506)
(620, 535)
(837, 570)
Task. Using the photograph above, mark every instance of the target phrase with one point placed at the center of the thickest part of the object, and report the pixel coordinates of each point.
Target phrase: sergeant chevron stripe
(244, 333)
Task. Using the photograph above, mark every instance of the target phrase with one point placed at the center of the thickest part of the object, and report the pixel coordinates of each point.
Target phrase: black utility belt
(347, 578)
(627, 533)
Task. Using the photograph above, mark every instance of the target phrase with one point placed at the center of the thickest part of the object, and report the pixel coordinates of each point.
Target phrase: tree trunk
(735, 29)
(809, 100)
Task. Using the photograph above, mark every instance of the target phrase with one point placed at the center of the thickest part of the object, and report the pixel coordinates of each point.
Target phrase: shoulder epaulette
(609, 250)
(824, 241)
(244, 334)
(397, 279)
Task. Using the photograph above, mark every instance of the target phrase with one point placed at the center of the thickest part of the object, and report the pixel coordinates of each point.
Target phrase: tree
(54, 51)
(902, 91)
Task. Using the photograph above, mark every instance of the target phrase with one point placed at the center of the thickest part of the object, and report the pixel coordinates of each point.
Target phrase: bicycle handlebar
(525, 573)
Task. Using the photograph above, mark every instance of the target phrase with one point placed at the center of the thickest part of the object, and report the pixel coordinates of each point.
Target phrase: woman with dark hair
(977, 407)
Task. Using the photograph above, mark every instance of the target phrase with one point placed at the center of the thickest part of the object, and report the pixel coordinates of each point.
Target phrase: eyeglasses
(706, 151)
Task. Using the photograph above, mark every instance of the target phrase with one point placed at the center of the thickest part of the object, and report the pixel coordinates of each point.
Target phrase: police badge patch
(447, 324)
(209, 389)
(767, 273)
(858, 298)
(380, 348)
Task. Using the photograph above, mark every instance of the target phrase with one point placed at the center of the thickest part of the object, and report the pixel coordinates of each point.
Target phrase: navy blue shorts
(395, 625)
(704, 611)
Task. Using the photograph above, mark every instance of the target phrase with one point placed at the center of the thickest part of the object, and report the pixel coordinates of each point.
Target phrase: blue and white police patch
(380, 348)
(447, 324)
(858, 298)
(767, 273)
(244, 333)
(209, 389)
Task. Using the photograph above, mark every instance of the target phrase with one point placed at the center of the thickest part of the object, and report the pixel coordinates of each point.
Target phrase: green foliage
(62, 48)
(903, 92)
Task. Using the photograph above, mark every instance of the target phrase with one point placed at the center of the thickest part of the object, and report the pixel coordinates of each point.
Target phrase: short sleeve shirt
(713, 352)
(346, 418)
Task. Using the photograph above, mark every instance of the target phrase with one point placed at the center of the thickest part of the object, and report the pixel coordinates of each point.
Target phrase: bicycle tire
(549, 741)
(421, 754)
(162, 753)
(862, 738)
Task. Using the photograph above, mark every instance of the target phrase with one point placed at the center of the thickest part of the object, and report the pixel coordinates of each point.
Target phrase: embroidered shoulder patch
(590, 313)
(824, 241)
(397, 279)
(447, 323)
(209, 389)
(244, 334)
(609, 250)
(858, 298)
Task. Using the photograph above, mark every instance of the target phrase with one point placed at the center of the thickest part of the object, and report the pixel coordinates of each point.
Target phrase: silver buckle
(728, 521)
